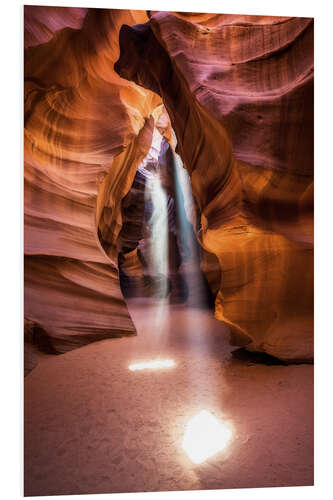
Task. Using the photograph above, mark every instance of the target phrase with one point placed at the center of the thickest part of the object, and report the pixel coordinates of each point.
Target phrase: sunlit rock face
(239, 93)
(86, 132)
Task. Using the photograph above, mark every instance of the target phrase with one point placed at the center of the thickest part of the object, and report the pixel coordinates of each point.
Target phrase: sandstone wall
(239, 93)
(86, 131)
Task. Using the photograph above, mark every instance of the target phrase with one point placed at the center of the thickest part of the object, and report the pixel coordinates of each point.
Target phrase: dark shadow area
(249, 357)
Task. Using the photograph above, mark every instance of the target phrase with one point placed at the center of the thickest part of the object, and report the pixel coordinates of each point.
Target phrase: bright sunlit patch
(152, 365)
(204, 436)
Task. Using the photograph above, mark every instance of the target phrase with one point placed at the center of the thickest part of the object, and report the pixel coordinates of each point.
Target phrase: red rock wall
(85, 132)
(239, 93)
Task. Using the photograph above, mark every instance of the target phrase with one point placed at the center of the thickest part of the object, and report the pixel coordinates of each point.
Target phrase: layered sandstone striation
(86, 131)
(239, 93)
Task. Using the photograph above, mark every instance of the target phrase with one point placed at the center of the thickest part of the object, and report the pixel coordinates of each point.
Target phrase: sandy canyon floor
(94, 426)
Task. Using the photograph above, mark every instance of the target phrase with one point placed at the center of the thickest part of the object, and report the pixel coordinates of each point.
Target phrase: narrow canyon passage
(94, 426)
(168, 251)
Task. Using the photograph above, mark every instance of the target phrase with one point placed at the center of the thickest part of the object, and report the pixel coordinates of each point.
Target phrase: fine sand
(94, 426)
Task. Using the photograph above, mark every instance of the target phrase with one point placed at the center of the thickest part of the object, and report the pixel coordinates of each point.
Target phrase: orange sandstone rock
(239, 94)
(85, 132)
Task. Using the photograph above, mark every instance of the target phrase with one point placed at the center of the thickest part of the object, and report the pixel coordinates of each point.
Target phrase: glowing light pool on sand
(152, 365)
(205, 436)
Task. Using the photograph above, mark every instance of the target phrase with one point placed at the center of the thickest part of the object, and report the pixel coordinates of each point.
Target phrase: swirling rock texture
(239, 93)
(86, 132)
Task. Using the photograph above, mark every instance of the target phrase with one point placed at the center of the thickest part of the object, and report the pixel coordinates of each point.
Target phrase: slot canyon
(168, 251)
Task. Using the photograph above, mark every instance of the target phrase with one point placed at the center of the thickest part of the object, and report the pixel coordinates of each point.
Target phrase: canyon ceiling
(238, 93)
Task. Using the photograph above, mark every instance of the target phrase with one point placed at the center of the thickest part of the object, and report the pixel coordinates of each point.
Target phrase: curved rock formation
(239, 93)
(85, 132)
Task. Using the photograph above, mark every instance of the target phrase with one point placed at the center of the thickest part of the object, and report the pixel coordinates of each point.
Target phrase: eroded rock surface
(239, 93)
(86, 131)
